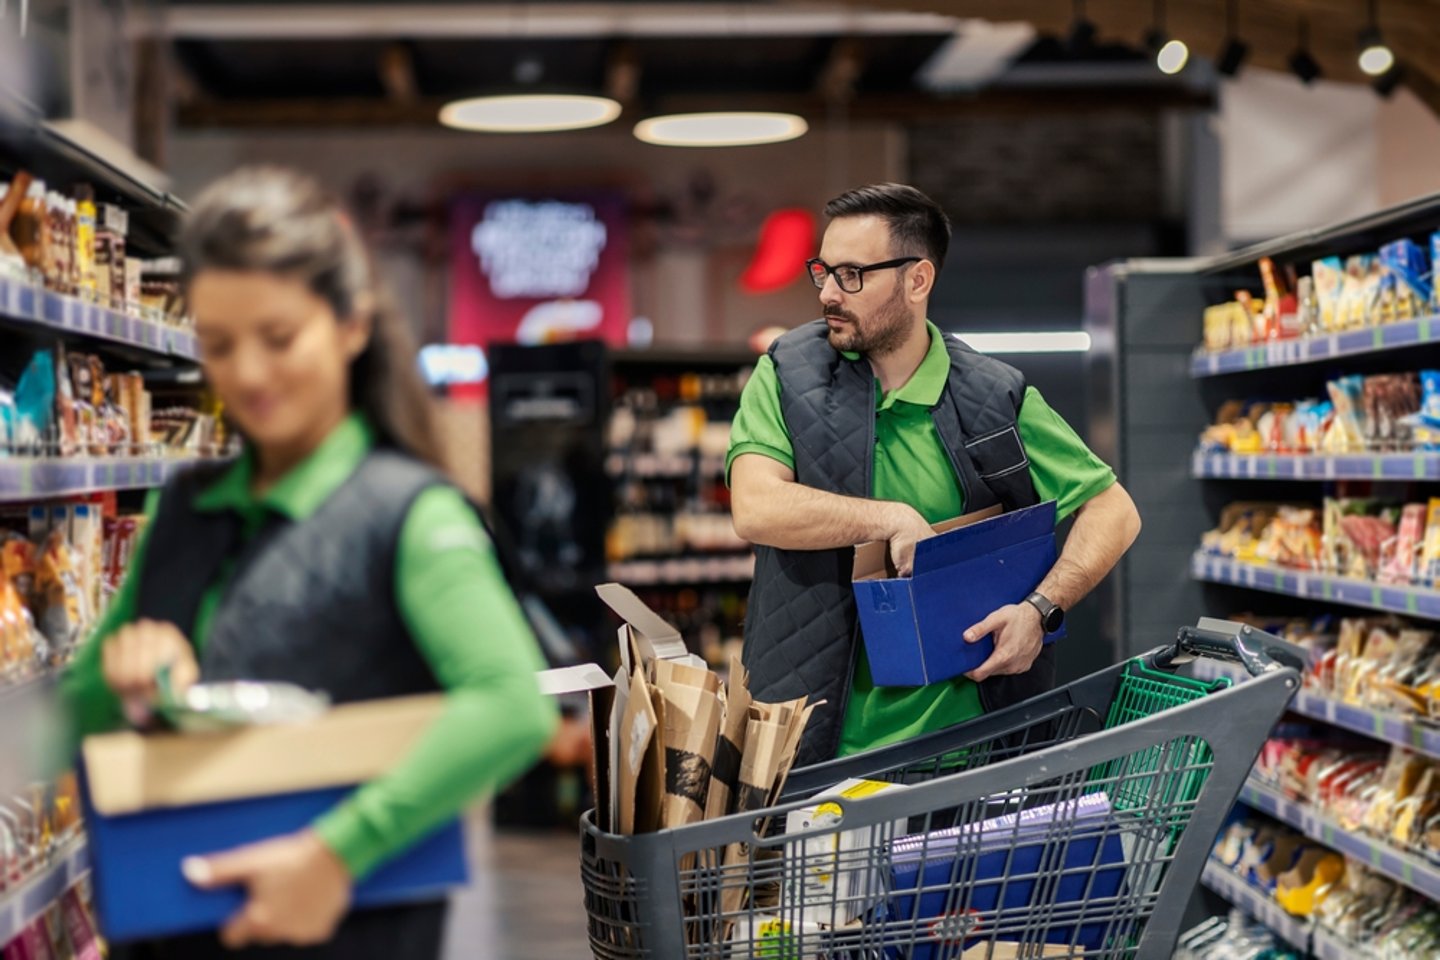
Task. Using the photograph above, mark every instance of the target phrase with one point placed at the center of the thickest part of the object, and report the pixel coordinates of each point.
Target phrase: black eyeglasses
(850, 277)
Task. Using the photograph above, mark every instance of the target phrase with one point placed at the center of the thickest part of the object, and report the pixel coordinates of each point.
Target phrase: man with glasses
(870, 424)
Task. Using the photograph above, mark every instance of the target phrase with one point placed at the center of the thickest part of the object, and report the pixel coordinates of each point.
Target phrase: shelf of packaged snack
(663, 465)
(34, 478)
(1256, 903)
(1311, 585)
(689, 571)
(26, 303)
(32, 897)
(1378, 724)
(1280, 466)
(1404, 868)
(1290, 353)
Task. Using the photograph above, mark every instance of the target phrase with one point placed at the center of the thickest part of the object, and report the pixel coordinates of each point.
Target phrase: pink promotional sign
(538, 269)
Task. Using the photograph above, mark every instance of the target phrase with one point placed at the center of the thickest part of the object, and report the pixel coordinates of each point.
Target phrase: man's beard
(877, 336)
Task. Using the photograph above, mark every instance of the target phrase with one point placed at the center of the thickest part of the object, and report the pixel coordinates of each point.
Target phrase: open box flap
(872, 560)
(987, 536)
(658, 639)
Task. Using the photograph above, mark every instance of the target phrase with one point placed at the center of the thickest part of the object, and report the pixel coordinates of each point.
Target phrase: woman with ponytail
(333, 554)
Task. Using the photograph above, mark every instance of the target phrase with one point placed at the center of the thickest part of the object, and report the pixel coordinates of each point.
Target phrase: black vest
(309, 602)
(801, 627)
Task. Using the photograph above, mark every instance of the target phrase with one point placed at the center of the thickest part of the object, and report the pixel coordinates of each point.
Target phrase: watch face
(1054, 619)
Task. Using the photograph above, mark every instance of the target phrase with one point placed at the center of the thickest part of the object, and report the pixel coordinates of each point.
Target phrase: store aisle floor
(525, 900)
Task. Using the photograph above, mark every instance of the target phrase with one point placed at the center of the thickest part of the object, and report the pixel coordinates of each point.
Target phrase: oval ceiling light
(529, 113)
(721, 129)
(1172, 57)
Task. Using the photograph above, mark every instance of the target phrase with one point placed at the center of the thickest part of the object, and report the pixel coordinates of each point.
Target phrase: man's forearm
(1104, 529)
(792, 516)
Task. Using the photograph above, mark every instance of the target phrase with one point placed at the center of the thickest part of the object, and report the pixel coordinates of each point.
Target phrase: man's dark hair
(918, 227)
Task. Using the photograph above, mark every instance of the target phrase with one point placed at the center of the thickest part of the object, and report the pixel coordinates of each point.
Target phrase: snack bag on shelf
(1357, 291)
(1282, 313)
(1430, 553)
(60, 600)
(1390, 400)
(1218, 325)
(1403, 556)
(1346, 433)
(1309, 308)
(1329, 275)
(1413, 284)
(1434, 265)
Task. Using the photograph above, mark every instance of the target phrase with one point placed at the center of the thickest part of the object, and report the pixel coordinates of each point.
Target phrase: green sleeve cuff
(343, 830)
(765, 450)
(1078, 497)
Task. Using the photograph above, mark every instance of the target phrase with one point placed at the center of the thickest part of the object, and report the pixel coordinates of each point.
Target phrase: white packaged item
(842, 873)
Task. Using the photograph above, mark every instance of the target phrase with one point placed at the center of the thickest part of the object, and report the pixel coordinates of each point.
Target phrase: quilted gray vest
(801, 628)
(309, 602)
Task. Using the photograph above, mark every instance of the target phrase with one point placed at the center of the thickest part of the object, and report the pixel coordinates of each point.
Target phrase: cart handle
(1258, 652)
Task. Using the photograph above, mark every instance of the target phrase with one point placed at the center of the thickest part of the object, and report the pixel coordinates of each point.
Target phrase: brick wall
(1045, 168)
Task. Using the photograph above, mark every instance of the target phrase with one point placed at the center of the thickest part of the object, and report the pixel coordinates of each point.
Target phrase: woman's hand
(134, 656)
(298, 890)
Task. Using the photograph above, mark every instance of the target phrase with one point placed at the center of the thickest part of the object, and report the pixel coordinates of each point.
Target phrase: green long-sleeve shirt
(460, 614)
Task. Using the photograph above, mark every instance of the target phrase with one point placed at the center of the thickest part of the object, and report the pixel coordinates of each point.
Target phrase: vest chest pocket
(998, 454)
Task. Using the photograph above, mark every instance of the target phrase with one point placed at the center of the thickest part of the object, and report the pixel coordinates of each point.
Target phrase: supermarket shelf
(661, 465)
(1256, 903)
(1405, 600)
(25, 303)
(23, 905)
(1325, 945)
(1403, 868)
(695, 571)
(1291, 353)
(1360, 466)
(27, 478)
(1379, 724)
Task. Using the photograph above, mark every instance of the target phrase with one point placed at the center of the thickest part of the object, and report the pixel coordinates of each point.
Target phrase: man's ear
(921, 282)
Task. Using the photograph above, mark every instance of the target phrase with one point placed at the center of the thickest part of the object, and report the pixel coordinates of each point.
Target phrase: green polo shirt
(911, 466)
(460, 614)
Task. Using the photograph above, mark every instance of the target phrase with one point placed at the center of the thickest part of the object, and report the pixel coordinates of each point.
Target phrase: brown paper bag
(691, 727)
(730, 748)
(641, 755)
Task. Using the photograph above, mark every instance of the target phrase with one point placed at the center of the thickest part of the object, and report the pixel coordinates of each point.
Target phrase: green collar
(925, 385)
(310, 483)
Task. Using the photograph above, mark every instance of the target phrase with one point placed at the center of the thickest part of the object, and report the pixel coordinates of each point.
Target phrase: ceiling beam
(887, 108)
(277, 21)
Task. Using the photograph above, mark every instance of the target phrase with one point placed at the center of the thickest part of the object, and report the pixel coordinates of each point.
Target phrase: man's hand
(297, 890)
(908, 529)
(1019, 636)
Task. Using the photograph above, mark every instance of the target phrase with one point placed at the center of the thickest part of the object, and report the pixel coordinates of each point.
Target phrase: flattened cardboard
(645, 631)
(912, 626)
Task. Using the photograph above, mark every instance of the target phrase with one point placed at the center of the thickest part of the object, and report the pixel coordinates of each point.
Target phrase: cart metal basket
(1075, 824)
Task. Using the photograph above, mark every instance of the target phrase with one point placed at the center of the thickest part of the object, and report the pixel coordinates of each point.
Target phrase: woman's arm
(496, 723)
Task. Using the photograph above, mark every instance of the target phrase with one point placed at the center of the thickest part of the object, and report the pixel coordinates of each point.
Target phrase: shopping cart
(1075, 824)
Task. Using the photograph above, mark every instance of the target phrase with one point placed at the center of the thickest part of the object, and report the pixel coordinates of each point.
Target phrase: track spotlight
(1376, 59)
(1232, 57)
(1302, 64)
(1082, 32)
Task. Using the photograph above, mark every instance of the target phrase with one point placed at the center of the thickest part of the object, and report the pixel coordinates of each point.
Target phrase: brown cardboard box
(349, 744)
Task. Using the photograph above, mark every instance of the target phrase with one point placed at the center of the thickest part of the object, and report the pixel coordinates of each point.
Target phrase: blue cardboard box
(913, 625)
(995, 881)
(151, 801)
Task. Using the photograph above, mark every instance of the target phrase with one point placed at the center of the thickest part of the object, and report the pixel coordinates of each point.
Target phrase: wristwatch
(1051, 616)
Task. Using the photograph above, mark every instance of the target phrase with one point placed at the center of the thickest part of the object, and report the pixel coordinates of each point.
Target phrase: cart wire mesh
(997, 846)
